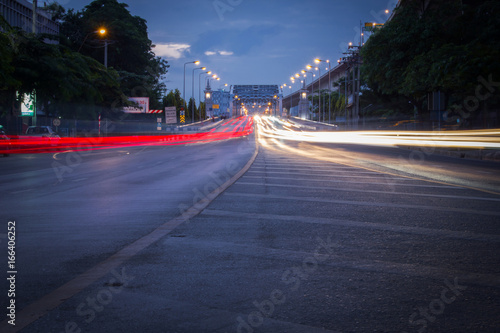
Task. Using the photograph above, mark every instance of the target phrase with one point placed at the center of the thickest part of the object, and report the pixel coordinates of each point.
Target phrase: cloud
(172, 51)
(240, 41)
(222, 53)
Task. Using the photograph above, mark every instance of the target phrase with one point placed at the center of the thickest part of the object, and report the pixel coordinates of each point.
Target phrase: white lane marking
(22, 191)
(79, 179)
(456, 234)
(372, 191)
(352, 182)
(364, 203)
(328, 175)
(314, 169)
(344, 261)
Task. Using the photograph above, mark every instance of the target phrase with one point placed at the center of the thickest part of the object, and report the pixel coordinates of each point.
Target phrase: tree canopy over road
(431, 46)
(67, 71)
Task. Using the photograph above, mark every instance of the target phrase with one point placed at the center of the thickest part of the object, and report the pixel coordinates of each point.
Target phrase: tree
(57, 75)
(191, 108)
(202, 111)
(8, 82)
(443, 47)
(129, 48)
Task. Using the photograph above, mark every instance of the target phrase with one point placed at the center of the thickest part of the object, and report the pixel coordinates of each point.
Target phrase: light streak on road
(30, 145)
(478, 139)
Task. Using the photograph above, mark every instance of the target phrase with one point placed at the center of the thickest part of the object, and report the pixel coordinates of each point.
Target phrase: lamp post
(192, 93)
(319, 88)
(305, 73)
(208, 88)
(102, 32)
(220, 96)
(184, 82)
(212, 77)
(199, 87)
(329, 85)
(312, 90)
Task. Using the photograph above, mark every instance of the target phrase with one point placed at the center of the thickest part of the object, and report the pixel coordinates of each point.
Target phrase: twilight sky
(250, 41)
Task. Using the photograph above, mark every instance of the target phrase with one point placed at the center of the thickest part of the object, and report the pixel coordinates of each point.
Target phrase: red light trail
(30, 145)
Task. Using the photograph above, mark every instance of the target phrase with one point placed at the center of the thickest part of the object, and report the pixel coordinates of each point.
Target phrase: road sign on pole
(182, 115)
(158, 126)
(170, 115)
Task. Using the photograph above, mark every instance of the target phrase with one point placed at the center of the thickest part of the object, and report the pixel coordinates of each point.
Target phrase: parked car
(4, 142)
(43, 131)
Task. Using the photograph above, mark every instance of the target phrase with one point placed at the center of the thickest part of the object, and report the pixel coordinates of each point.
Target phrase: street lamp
(101, 32)
(212, 77)
(319, 88)
(192, 93)
(329, 85)
(312, 88)
(199, 86)
(197, 62)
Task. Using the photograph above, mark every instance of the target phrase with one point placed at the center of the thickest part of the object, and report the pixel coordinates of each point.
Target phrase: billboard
(142, 102)
(28, 105)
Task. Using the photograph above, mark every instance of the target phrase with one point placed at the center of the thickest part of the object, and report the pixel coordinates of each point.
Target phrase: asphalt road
(312, 238)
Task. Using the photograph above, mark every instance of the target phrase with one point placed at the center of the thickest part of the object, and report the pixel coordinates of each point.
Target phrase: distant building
(221, 103)
(257, 99)
(218, 103)
(19, 13)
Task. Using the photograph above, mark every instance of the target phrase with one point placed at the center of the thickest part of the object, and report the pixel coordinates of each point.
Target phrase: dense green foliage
(129, 48)
(67, 71)
(444, 47)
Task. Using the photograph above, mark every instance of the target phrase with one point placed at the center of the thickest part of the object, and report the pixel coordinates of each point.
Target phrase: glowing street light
(329, 85)
(192, 92)
(197, 62)
(102, 32)
(199, 86)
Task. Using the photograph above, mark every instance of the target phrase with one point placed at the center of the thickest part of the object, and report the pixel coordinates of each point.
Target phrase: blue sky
(250, 41)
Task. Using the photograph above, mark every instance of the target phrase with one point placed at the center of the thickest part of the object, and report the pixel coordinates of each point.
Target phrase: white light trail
(478, 139)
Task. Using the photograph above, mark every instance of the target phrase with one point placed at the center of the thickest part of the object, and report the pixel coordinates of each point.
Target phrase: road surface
(311, 237)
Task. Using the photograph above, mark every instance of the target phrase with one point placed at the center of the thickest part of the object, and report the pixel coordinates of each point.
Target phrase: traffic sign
(183, 119)
(170, 115)
(56, 122)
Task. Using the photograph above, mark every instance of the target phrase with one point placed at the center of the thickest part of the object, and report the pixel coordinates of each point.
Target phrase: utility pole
(33, 27)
